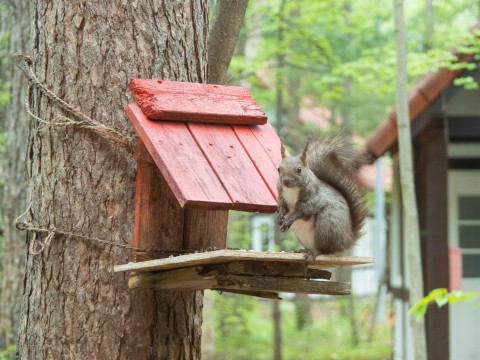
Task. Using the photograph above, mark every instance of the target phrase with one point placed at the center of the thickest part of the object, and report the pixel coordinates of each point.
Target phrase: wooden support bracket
(257, 279)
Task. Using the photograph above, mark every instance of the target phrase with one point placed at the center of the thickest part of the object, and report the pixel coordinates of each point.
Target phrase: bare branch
(227, 21)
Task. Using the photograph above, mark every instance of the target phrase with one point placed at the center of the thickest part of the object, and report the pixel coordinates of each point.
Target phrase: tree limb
(227, 20)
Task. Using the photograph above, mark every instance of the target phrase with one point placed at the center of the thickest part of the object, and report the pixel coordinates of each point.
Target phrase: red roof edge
(420, 97)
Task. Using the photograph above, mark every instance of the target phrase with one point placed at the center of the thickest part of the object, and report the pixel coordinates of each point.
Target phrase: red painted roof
(209, 166)
(419, 98)
(183, 101)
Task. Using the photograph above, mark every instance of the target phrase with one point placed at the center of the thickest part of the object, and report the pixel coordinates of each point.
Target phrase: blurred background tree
(14, 37)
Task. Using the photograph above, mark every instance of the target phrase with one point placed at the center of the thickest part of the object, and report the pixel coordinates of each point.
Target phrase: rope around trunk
(38, 246)
(81, 120)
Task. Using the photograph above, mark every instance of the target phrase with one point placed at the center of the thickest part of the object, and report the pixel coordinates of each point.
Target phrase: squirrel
(320, 197)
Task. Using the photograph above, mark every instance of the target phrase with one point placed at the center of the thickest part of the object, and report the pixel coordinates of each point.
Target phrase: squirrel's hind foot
(308, 254)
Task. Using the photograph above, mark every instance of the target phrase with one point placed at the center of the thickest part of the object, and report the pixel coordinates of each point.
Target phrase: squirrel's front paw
(287, 222)
(280, 218)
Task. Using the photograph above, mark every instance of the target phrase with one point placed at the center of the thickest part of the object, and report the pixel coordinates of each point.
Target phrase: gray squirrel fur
(319, 196)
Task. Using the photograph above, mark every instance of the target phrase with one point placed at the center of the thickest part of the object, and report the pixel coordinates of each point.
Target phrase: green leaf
(441, 297)
(467, 82)
(418, 310)
(441, 300)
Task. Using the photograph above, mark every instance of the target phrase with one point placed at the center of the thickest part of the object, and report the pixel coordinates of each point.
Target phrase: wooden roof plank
(226, 255)
(270, 141)
(145, 87)
(181, 162)
(260, 157)
(183, 101)
(234, 168)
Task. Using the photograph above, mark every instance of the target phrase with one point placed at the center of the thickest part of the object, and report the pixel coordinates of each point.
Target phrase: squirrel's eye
(299, 170)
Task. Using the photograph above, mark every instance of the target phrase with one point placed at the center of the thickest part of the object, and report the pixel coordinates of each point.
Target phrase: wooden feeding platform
(204, 150)
(256, 273)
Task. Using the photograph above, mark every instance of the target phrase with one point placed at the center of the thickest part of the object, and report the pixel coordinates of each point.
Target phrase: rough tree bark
(74, 306)
(410, 212)
(226, 24)
(12, 201)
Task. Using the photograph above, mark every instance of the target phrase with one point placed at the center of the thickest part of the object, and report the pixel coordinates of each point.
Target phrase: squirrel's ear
(282, 150)
(303, 156)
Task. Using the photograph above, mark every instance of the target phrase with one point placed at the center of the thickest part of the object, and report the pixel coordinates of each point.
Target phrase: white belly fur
(305, 232)
(290, 195)
(303, 229)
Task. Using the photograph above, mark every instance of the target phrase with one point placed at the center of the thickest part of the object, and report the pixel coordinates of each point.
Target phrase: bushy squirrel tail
(336, 163)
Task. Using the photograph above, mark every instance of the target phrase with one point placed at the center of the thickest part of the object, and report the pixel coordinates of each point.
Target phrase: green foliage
(289, 242)
(441, 297)
(341, 54)
(8, 353)
(467, 82)
(243, 328)
(4, 95)
(239, 232)
(4, 66)
(240, 334)
(2, 142)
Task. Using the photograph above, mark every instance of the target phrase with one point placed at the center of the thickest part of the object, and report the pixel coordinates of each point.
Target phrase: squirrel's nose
(286, 182)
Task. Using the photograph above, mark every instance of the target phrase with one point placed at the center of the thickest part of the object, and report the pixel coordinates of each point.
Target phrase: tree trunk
(344, 274)
(279, 76)
(410, 212)
(12, 203)
(277, 330)
(226, 24)
(74, 306)
(429, 24)
(252, 41)
(303, 311)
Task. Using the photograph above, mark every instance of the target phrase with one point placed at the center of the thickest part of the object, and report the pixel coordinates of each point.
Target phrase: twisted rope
(37, 246)
(80, 119)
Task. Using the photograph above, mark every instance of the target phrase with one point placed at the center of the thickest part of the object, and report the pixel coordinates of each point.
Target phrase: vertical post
(436, 259)
(380, 237)
(159, 219)
(410, 212)
(205, 229)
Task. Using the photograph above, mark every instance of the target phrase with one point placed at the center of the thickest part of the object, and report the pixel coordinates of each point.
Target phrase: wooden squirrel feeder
(204, 150)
